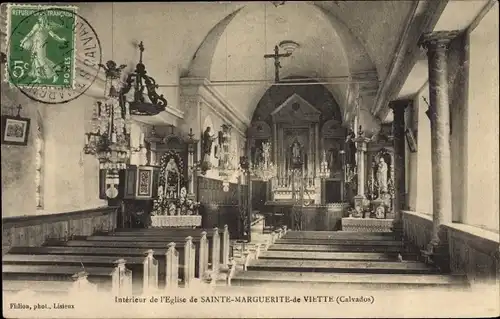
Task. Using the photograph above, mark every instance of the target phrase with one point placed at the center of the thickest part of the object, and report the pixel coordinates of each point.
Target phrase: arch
(351, 49)
(202, 60)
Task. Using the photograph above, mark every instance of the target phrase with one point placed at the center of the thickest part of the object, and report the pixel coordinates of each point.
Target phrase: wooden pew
(146, 268)
(118, 279)
(198, 247)
(218, 246)
(157, 234)
(148, 264)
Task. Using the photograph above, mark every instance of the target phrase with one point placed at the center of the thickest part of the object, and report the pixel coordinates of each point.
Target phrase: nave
(343, 124)
(142, 261)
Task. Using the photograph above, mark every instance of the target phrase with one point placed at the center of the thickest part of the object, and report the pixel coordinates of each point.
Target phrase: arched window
(39, 163)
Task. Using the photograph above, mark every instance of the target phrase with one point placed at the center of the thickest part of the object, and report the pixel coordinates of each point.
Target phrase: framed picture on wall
(15, 130)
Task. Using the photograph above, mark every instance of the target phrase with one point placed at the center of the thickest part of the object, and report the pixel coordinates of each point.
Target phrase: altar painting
(172, 193)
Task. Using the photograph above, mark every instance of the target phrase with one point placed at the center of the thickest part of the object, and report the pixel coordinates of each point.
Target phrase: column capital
(438, 40)
(400, 105)
(361, 142)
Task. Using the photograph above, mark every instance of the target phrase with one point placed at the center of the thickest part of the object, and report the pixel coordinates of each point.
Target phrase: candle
(113, 137)
(141, 139)
(86, 139)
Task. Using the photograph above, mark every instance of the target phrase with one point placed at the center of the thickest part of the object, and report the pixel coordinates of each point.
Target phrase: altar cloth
(176, 221)
(366, 224)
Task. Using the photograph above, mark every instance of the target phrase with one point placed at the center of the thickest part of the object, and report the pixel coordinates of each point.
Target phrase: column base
(397, 228)
(437, 254)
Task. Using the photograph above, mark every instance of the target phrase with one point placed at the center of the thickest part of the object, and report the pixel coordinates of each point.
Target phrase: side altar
(172, 200)
(374, 206)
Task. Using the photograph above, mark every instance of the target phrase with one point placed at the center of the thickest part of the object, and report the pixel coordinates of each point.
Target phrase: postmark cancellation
(44, 43)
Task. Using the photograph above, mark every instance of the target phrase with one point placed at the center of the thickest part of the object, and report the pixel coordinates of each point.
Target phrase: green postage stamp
(41, 46)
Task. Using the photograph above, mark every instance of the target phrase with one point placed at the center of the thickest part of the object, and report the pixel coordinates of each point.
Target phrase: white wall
(423, 200)
(71, 177)
(483, 181)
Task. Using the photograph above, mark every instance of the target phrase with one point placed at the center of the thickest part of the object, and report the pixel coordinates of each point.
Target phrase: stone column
(398, 131)
(342, 181)
(437, 44)
(360, 164)
(317, 155)
(275, 144)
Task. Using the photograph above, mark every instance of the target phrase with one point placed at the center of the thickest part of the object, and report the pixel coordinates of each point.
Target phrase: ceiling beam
(481, 15)
(424, 17)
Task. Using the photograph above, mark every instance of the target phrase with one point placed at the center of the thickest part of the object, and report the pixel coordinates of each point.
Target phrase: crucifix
(276, 56)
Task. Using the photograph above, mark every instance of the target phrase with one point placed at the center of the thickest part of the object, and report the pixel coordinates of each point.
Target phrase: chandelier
(323, 171)
(227, 169)
(109, 139)
(140, 81)
(265, 170)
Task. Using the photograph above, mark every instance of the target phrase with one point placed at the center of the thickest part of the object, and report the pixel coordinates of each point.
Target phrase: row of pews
(125, 262)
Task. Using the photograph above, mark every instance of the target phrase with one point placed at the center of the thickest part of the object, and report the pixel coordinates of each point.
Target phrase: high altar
(307, 155)
(297, 134)
(319, 176)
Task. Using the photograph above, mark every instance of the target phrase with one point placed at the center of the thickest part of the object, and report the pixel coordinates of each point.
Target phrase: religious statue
(257, 156)
(208, 138)
(296, 156)
(183, 193)
(160, 192)
(266, 150)
(172, 209)
(334, 161)
(382, 176)
(351, 149)
(171, 171)
(182, 201)
(380, 212)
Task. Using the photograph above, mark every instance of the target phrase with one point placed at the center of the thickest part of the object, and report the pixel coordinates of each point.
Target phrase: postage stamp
(45, 44)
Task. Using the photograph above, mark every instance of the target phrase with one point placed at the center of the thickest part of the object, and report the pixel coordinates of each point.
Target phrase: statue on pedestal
(350, 149)
(171, 179)
(266, 150)
(208, 139)
(382, 177)
(296, 153)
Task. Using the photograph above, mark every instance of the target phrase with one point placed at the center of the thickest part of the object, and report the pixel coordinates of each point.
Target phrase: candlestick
(141, 139)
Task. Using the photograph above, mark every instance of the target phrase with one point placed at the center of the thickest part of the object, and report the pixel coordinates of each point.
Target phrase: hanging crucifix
(277, 65)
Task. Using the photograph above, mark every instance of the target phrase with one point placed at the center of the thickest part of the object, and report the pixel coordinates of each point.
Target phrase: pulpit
(140, 182)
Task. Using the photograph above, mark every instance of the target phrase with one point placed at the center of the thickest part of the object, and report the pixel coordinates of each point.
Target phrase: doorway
(332, 191)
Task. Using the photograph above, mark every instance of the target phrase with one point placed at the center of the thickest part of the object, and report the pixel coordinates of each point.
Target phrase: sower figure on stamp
(36, 42)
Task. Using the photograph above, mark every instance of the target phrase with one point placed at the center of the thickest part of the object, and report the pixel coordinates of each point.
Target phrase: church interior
(259, 144)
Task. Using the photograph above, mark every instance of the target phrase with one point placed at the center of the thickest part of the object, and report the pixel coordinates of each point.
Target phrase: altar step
(354, 256)
(339, 241)
(337, 248)
(308, 280)
(336, 266)
(324, 259)
(338, 235)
